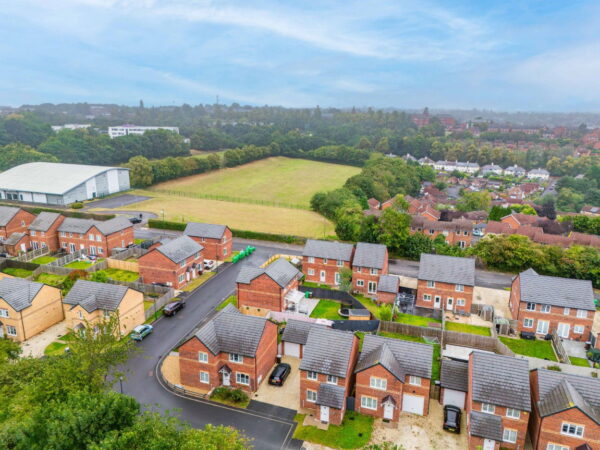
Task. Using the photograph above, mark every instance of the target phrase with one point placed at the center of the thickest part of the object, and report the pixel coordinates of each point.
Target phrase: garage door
(291, 349)
(413, 404)
(456, 398)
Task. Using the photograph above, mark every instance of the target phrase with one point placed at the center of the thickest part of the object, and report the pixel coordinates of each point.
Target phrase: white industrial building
(70, 126)
(61, 184)
(124, 130)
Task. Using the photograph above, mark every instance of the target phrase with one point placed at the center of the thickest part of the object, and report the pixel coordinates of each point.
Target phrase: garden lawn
(536, 349)
(327, 309)
(16, 272)
(55, 349)
(121, 275)
(231, 300)
(437, 351)
(50, 279)
(198, 281)
(466, 328)
(44, 260)
(81, 265)
(419, 321)
(354, 432)
(583, 362)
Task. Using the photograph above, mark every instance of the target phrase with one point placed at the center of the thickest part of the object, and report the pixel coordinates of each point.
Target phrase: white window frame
(577, 428)
(414, 380)
(374, 271)
(460, 302)
(312, 375)
(325, 260)
(368, 402)
(203, 357)
(340, 263)
(459, 288)
(311, 396)
(372, 287)
(4, 313)
(91, 237)
(240, 378)
(181, 278)
(10, 330)
(530, 306)
(509, 435)
(32, 233)
(337, 278)
(332, 379)
(378, 383)
(236, 358)
(311, 259)
(488, 408)
(545, 309)
(426, 297)
(360, 283)
(204, 377)
(513, 413)
(528, 320)
(430, 284)
(566, 311)
(582, 314)
(538, 327)
(578, 329)
(552, 446)
(311, 271)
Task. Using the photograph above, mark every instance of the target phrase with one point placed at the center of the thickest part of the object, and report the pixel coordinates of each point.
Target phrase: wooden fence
(123, 265)
(32, 254)
(132, 252)
(560, 351)
(159, 303)
(68, 258)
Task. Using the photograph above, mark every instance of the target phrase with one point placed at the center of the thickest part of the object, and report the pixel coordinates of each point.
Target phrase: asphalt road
(116, 202)
(142, 382)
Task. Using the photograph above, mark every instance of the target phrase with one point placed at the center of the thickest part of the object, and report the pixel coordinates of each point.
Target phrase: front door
(542, 327)
(449, 303)
(563, 330)
(322, 276)
(337, 278)
(23, 248)
(226, 381)
(437, 302)
(72, 248)
(1, 330)
(489, 444)
(388, 411)
(324, 413)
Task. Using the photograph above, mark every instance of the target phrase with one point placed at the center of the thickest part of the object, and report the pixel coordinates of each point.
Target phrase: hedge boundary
(75, 214)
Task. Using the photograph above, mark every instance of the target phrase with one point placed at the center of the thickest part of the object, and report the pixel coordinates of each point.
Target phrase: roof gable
(327, 351)
(92, 296)
(447, 269)
(563, 292)
(19, 293)
(7, 213)
(179, 249)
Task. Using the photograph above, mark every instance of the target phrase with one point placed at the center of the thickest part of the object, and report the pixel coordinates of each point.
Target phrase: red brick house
(217, 240)
(295, 336)
(95, 237)
(43, 231)
(454, 383)
(445, 282)
(323, 260)
(232, 349)
(267, 288)
(498, 401)
(515, 220)
(369, 263)
(327, 372)
(387, 289)
(457, 232)
(173, 263)
(566, 411)
(17, 243)
(543, 304)
(393, 375)
(14, 220)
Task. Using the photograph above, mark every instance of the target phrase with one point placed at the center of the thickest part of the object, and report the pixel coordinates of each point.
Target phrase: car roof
(140, 328)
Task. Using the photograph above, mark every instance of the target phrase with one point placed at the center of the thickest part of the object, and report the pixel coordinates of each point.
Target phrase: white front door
(563, 330)
(489, 444)
(324, 413)
(413, 404)
(72, 248)
(1, 331)
(23, 248)
(437, 301)
(388, 411)
(226, 381)
(449, 303)
(322, 276)
(337, 278)
(542, 327)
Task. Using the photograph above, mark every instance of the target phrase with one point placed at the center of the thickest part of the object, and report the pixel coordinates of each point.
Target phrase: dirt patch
(498, 298)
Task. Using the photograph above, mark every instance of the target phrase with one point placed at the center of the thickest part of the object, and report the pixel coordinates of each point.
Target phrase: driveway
(36, 345)
(288, 395)
(117, 201)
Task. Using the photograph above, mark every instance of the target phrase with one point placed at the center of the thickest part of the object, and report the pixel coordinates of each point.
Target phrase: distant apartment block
(125, 130)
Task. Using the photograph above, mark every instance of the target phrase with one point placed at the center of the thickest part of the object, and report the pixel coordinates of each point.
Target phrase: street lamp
(121, 383)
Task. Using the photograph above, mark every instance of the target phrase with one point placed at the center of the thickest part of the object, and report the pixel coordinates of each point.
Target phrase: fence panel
(55, 270)
(123, 265)
(100, 265)
(132, 252)
(32, 254)
(159, 303)
(68, 258)
(410, 330)
(562, 354)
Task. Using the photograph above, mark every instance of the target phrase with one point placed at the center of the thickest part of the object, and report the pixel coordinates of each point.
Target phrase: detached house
(173, 263)
(95, 237)
(27, 308)
(217, 240)
(232, 349)
(323, 260)
(498, 401)
(543, 304)
(445, 282)
(13, 220)
(273, 288)
(326, 372)
(92, 302)
(369, 263)
(566, 411)
(43, 231)
(393, 375)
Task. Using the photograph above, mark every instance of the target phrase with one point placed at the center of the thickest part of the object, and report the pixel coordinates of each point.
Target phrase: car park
(141, 331)
(173, 308)
(452, 418)
(279, 374)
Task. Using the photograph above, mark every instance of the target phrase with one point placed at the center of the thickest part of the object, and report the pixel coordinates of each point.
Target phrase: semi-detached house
(370, 262)
(217, 240)
(43, 231)
(323, 260)
(95, 237)
(14, 220)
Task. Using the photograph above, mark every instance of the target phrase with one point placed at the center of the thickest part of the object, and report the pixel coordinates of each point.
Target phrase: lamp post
(121, 383)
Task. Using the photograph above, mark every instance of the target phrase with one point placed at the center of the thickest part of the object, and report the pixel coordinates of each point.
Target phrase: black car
(173, 308)
(135, 220)
(279, 374)
(452, 418)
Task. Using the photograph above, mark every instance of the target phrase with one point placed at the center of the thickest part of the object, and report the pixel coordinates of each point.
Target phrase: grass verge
(536, 349)
(466, 328)
(327, 309)
(231, 300)
(354, 432)
(17, 272)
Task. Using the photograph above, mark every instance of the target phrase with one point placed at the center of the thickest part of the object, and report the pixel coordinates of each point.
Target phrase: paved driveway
(117, 201)
(288, 395)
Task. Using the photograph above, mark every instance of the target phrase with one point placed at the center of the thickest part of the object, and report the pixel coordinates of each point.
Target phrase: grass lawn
(536, 349)
(419, 321)
(437, 351)
(55, 349)
(466, 328)
(354, 432)
(232, 299)
(278, 179)
(50, 279)
(197, 282)
(327, 309)
(121, 275)
(369, 304)
(583, 362)
(138, 241)
(44, 260)
(148, 305)
(82, 265)
(312, 284)
(16, 272)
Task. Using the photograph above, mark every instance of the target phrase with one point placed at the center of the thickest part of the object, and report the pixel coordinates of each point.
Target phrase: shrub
(385, 313)
(238, 396)
(77, 205)
(555, 368)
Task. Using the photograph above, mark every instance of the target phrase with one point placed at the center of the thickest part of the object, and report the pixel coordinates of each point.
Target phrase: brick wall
(511, 221)
(555, 317)
(217, 249)
(22, 245)
(48, 238)
(264, 293)
(444, 291)
(121, 238)
(364, 274)
(18, 224)
(94, 242)
(386, 297)
(155, 267)
(266, 353)
(330, 268)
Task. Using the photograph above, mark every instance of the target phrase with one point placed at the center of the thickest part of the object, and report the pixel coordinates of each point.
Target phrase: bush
(166, 225)
(555, 368)
(238, 396)
(230, 395)
(77, 205)
(385, 313)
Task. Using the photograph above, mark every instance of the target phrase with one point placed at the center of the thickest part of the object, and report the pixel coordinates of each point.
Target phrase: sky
(524, 55)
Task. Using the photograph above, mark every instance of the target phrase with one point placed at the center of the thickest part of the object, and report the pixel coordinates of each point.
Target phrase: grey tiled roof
(113, 225)
(413, 357)
(44, 221)
(388, 283)
(92, 296)
(6, 214)
(563, 292)
(384, 356)
(455, 375)
(331, 395)
(328, 249)
(205, 230)
(488, 426)
(327, 351)
(501, 380)
(14, 238)
(296, 331)
(370, 255)
(280, 271)
(180, 248)
(74, 225)
(232, 332)
(559, 391)
(447, 269)
(19, 293)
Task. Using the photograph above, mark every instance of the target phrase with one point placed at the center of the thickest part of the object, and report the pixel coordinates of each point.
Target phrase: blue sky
(503, 55)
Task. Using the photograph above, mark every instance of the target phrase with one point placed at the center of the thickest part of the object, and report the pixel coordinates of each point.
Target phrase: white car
(209, 264)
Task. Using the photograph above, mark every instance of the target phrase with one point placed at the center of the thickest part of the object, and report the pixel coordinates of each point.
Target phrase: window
(311, 271)
(182, 263)
(203, 357)
(234, 357)
(106, 313)
(542, 327)
(426, 297)
(360, 283)
(460, 288)
(373, 271)
(32, 232)
(204, 377)
(63, 234)
(358, 269)
(324, 260)
(311, 396)
(545, 308)
(556, 447)
(100, 250)
(92, 237)
(331, 379)
(22, 223)
(202, 239)
(572, 430)
(337, 278)
(224, 252)
(488, 408)
(181, 278)
(379, 383)
(311, 375)
(242, 378)
(513, 413)
(415, 381)
(372, 287)
(509, 435)
(431, 231)
(581, 314)
(98, 238)
(578, 329)
(368, 402)
(197, 255)
(530, 306)
(567, 311)
(3, 312)
(311, 259)
(10, 330)
(527, 323)
(460, 301)
(340, 263)
(80, 314)
(430, 284)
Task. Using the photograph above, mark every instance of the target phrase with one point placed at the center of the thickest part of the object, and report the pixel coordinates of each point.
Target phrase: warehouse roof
(49, 178)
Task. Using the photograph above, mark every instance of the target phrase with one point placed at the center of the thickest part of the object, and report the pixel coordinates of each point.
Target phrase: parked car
(173, 308)
(279, 374)
(141, 331)
(209, 264)
(452, 418)
(135, 220)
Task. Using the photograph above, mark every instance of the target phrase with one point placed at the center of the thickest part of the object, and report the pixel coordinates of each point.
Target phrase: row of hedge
(245, 234)
(75, 214)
